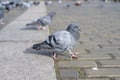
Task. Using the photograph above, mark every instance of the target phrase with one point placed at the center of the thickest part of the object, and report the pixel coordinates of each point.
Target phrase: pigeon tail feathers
(43, 45)
(27, 24)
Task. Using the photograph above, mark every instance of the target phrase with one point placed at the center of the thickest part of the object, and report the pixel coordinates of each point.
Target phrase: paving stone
(117, 78)
(111, 45)
(116, 56)
(95, 79)
(88, 46)
(103, 72)
(19, 62)
(76, 63)
(69, 79)
(110, 63)
(69, 73)
(105, 50)
(94, 56)
(78, 49)
(103, 39)
(114, 41)
(94, 42)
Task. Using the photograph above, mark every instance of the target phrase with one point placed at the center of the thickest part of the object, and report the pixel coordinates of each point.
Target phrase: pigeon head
(74, 30)
(52, 14)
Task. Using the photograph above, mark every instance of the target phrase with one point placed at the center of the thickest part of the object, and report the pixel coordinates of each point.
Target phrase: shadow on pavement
(29, 28)
(44, 52)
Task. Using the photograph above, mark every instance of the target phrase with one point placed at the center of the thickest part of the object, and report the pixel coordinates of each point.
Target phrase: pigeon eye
(75, 28)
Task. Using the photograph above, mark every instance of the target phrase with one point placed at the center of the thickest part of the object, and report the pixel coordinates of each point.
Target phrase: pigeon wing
(61, 40)
(44, 20)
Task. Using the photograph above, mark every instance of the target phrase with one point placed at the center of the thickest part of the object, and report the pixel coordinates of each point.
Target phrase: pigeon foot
(55, 57)
(74, 56)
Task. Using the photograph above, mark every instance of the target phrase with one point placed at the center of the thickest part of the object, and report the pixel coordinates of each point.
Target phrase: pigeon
(59, 1)
(43, 22)
(48, 3)
(25, 5)
(67, 5)
(61, 41)
(8, 5)
(1, 14)
(36, 3)
(78, 3)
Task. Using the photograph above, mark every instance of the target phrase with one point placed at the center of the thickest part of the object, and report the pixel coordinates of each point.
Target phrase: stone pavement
(99, 45)
(17, 60)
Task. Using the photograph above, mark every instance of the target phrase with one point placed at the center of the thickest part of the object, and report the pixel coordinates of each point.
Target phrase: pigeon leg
(73, 55)
(1, 21)
(44, 28)
(54, 56)
(39, 27)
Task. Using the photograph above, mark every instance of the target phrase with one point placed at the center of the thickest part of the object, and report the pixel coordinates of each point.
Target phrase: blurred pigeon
(61, 41)
(25, 5)
(101, 5)
(67, 5)
(7, 6)
(78, 3)
(36, 3)
(48, 3)
(59, 1)
(33, 3)
(1, 14)
(43, 22)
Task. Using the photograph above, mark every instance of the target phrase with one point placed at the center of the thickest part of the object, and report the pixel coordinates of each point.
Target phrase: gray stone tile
(117, 78)
(110, 45)
(88, 46)
(76, 63)
(105, 50)
(116, 56)
(69, 73)
(103, 72)
(109, 63)
(69, 79)
(17, 62)
(94, 56)
(95, 79)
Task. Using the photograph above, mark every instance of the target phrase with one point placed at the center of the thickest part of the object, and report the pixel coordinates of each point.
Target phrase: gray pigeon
(43, 22)
(1, 15)
(68, 5)
(61, 41)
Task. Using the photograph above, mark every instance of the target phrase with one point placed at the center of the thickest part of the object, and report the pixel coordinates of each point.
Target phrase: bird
(25, 5)
(48, 3)
(59, 1)
(43, 22)
(1, 14)
(68, 5)
(78, 3)
(36, 3)
(61, 41)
